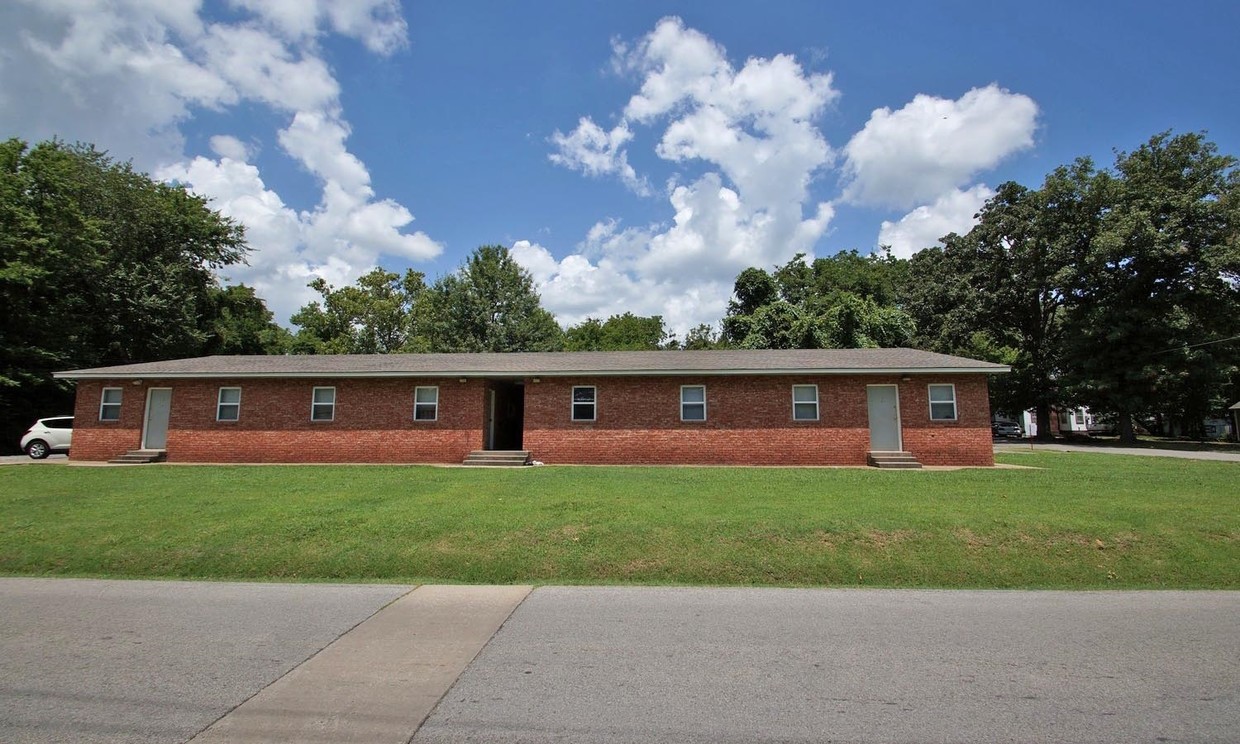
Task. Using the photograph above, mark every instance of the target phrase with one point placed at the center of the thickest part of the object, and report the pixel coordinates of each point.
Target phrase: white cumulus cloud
(228, 146)
(752, 128)
(127, 75)
(921, 228)
(596, 152)
(933, 145)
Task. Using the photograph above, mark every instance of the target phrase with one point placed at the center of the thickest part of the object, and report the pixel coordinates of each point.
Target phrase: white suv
(47, 436)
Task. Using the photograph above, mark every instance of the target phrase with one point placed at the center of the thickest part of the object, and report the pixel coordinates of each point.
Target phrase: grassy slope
(1083, 520)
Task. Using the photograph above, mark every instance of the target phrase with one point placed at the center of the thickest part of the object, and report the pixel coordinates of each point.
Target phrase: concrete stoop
(892, 460)
(140, 457)
(498, 458)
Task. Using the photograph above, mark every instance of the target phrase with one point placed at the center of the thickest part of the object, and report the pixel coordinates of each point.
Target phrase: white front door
(884, 406)
(155, 430)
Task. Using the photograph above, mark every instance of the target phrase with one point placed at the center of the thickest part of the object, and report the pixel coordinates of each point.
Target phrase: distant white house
(1063, 421)
(1068, 421)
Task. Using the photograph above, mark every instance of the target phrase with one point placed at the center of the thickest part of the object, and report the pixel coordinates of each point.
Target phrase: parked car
(1006, 429)
(48, 435)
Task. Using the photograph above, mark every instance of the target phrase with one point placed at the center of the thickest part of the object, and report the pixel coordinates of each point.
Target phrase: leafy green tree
(1000, 291)
(585, 336)
(489, 305)
(702, 337)
(242, 324)
(753, 288)
(99, 264)
(877, 276)
(1159, 285)
(852, 322)
(836, 302)
(627, 332)
(379, 314)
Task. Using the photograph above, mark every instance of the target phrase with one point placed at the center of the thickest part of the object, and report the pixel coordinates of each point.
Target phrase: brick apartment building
(800, 407)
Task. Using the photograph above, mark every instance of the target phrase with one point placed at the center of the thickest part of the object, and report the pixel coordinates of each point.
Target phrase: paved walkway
(1031, 446)
(113, 661)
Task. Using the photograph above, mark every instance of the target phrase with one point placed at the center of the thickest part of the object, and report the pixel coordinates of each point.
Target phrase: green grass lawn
(1080, 520)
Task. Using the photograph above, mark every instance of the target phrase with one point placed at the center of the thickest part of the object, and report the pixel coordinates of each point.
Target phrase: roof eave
(491, 374)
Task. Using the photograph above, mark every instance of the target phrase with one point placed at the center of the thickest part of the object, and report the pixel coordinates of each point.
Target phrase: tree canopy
(846, 301)
(100, 264)
(627, 332)
(1117, 289)
(489, 304)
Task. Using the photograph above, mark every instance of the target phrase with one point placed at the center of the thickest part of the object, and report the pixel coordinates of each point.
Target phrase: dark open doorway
(505, 416)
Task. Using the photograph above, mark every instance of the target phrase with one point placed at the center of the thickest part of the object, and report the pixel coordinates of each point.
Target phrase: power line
(1193, 346)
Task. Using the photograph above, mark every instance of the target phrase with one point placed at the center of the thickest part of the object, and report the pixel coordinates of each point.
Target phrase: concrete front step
(892, 460)
(498, 458)
(140, 457)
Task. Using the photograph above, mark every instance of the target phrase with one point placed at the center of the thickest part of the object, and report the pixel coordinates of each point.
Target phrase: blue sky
(635, 155)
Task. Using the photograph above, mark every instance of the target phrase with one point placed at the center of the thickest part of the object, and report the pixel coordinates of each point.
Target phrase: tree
(1114, 289)
(837, 302)
(99, 264)
(380, 314)
(702, 337)
(1000, 291)
(878, 276)
(489, 304)
(1159, 285)
(242, 324)
(627, 332)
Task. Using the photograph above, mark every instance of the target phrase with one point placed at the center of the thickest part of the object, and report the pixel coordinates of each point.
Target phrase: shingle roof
(551, 364)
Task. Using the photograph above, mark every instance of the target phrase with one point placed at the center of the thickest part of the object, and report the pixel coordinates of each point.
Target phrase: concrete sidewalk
(378, 682)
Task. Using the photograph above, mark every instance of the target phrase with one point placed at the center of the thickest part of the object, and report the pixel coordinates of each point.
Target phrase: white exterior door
(155, 430)
(884, 407)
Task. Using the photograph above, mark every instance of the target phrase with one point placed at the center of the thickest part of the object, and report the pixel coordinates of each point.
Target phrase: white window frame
(592, 403)
(105, 404)
(315, 403)
(932, 402)
(796, 402)
(684, 403)
(434, 405)
(220, 403)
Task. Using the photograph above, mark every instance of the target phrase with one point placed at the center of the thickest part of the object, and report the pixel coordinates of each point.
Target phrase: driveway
(1017, 448)
(26, 460)
(103, 661)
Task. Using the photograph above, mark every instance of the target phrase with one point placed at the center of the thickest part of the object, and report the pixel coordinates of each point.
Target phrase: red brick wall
(373, 422)
(102, 440)
(749, 421)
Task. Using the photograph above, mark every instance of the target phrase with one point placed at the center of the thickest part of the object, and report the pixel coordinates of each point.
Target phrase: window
(59, 423)
(425, 403)
(584, 403)
(805, 402)
(1080, 417)
(110, 404)
(692, 402)
(942, 402)
(324, 406)
(229, 406)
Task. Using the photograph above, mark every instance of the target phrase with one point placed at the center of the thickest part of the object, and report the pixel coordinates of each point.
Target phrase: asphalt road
(104, 661)
(768, 665)
(146, 661)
